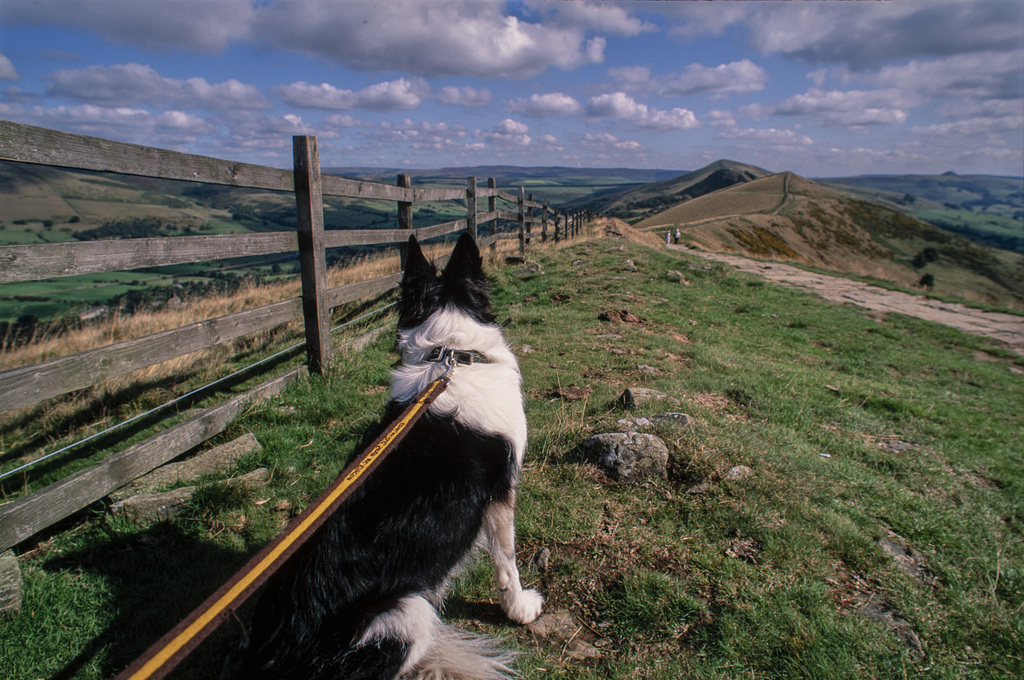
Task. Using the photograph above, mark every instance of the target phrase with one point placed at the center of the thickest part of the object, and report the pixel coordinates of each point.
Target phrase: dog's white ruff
(486, 397)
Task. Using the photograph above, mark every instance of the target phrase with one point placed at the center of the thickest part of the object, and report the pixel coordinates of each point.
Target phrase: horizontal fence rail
(27, 386)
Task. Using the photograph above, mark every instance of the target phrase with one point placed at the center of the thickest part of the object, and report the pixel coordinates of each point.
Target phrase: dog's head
(460, 286)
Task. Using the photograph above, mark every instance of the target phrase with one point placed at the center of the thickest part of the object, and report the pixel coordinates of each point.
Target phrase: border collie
(360, 599)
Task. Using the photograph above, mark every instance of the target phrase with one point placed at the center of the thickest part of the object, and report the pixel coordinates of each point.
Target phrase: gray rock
(10, 583)
(738, 473)
(674, 419)
(641, 423)
(698, 489)
(638, 396)
(529, 267)
(628, 456)
(152, 507)
(632, 424)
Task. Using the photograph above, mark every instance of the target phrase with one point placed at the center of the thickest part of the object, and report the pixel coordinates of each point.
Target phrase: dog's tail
(458, 655)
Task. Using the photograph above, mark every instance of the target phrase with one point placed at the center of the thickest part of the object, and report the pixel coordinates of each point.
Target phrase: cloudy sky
(819, 88)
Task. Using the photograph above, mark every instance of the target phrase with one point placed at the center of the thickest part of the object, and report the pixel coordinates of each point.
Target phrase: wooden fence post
(471, 206)
(492, 205)
(312, 261)
(521, 220)
(544, 222)
(529, 219)
(404, 218)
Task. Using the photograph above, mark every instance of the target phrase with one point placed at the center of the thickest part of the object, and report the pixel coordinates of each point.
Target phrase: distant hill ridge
(787, 217)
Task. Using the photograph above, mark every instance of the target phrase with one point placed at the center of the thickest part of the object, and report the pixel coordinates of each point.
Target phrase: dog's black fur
(401, 533)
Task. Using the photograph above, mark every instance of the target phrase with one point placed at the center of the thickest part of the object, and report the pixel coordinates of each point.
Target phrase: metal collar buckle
(445, 354)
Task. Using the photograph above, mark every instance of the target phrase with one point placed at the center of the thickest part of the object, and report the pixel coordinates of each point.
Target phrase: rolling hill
(985, 208)
(790, 218)
(638, 202)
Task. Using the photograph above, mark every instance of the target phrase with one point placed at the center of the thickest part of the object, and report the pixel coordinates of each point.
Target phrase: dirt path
(1004, 327)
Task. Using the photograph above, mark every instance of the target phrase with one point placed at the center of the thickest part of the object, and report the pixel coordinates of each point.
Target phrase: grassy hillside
(633, 203)
(879, 534)
(985, 208)
(790, 218)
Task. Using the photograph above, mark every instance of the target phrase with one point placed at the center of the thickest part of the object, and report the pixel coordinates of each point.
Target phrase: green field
(878, 536)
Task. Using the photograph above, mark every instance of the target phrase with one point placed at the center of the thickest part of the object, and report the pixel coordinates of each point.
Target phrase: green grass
(773, 379)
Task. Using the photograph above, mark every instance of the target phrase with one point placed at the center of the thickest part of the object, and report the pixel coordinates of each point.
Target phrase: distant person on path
(668, 237)
(677, 234)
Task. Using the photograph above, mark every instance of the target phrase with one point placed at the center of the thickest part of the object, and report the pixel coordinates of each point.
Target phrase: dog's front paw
(525, 607)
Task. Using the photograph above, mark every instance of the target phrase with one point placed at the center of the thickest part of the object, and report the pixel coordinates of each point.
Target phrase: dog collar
(460, 356)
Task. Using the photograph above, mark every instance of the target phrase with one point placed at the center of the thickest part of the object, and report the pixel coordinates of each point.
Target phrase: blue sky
(819, 88)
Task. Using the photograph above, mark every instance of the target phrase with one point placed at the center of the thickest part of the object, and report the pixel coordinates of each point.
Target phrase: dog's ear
(417, 266)
(465, 263)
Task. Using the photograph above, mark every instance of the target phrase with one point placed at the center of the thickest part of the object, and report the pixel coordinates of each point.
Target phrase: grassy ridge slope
(921, 425)
(790, 218)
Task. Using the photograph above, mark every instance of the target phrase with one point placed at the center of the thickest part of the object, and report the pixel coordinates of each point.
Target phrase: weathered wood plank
(506, 215)
(360, 289)
(484, 218)
(428, 195)
(30, 144)
(27, 385)
(52, 260)
(22, 518)
(511, 198)
(337, 238)
(333, 185)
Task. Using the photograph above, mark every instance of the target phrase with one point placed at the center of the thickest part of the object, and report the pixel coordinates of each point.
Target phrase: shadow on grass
(155, 578)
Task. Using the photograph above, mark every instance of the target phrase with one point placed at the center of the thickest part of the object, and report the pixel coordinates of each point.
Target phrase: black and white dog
(359, 600)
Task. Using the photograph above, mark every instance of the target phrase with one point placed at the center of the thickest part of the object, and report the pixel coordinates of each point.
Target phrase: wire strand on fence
(198, 390)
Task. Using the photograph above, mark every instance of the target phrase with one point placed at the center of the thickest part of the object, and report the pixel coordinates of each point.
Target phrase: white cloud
(339, 120)
(550, 104)
(460, 37)
(170, 129)
(771, 136)
(422, 135)
(630, 78)
(144, 86)
(853, 107)
(190, 24)
(464, 96)
(983, 75)
(506, 133)
(864, 35)
(737, 76)
(971, 127)
(7, 70)
(549, 143)
(621, 105)
(602, 148)
(593, 16)
(386, 96)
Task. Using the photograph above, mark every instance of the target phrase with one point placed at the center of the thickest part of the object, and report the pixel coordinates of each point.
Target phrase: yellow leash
(161, 658)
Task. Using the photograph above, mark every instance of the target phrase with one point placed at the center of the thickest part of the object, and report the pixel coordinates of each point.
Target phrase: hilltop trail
(1006, 328)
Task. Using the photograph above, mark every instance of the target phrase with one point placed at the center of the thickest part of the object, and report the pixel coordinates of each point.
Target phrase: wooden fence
(29, 385)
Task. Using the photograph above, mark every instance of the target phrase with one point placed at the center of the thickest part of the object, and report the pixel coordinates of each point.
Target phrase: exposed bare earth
(1004, 327)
